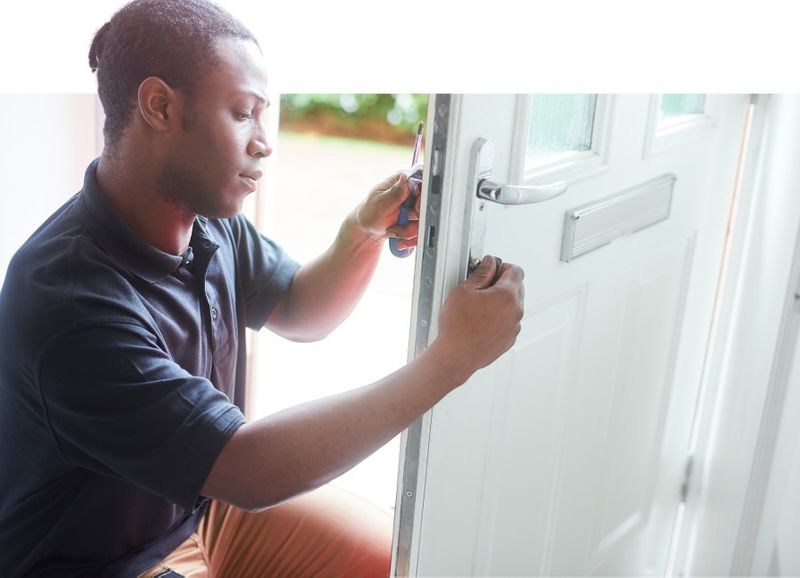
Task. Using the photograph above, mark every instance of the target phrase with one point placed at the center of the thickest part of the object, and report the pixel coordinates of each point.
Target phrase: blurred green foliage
(403, 111)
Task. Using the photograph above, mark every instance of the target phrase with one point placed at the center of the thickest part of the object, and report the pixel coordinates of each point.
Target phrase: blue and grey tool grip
(401, 220)
(415, 184)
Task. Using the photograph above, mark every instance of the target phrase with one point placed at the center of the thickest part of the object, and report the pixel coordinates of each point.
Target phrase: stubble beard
(186, 190)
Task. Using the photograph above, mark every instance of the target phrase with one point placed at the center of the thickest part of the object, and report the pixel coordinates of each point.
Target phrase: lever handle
(511, 195)
(480, 185)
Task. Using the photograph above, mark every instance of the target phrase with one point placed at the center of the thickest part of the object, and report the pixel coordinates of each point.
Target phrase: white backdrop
(423, 46)
(46, 142)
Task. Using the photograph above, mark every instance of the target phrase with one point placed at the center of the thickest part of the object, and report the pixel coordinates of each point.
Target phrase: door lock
(481, 167)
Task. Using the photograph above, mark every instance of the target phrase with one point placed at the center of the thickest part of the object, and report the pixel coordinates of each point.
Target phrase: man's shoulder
(61, 276)
(61, 254)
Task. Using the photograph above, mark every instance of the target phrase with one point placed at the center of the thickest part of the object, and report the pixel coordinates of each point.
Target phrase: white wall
(46, 142)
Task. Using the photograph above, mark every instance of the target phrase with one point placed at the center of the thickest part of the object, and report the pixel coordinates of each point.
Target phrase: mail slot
(595, 224)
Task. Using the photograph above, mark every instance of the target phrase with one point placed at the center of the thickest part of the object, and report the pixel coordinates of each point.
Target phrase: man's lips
(251, 178)
(254, 175)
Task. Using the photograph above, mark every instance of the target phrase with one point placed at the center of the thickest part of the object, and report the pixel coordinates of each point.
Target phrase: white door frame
(749, 362)
(430, 289)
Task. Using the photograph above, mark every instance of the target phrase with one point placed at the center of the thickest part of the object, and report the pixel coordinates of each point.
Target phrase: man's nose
(259, 146)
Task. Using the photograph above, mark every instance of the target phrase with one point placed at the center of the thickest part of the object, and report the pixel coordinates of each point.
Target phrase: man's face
(214, 158)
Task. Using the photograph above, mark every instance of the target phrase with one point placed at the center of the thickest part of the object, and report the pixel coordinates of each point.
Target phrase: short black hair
(170, 39)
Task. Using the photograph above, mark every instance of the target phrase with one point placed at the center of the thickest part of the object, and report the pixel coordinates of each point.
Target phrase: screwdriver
(410, 202)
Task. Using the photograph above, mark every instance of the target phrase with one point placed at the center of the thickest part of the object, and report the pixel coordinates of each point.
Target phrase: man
(125, 451)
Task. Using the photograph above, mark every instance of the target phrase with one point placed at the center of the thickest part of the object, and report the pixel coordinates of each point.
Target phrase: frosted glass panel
(561, 125)
(682, 104)
(680, 108)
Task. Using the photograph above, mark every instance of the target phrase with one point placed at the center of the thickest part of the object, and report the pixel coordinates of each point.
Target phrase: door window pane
(561, 125)
(677, 108)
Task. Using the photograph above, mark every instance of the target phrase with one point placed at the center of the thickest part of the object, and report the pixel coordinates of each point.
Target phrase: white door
(567, 455)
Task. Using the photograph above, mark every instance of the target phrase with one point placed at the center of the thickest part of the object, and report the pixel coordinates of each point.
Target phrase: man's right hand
(480, 320)
(298, 449)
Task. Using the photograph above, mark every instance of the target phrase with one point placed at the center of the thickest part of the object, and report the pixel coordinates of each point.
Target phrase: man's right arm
(299, 449)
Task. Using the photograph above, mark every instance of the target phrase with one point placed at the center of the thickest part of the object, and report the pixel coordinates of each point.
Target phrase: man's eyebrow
(259, 97)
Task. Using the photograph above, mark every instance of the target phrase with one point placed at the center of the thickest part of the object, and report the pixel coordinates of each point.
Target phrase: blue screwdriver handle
(414, 183)
(401, 220)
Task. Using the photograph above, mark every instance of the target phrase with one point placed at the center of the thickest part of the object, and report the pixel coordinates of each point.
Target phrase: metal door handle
(510, 195)
(481, 186)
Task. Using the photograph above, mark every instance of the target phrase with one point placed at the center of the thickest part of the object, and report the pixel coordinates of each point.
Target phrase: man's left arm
(325, 291)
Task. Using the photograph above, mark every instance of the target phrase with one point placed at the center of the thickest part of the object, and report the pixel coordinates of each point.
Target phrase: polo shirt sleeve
(116, 404)
(265, 272)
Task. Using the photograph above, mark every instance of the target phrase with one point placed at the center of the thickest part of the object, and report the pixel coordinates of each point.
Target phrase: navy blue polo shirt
(122, 373)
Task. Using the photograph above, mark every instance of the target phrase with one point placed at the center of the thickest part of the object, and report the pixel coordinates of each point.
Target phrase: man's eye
(243, 115)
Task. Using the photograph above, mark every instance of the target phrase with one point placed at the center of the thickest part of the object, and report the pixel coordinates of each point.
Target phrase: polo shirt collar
(119, 241)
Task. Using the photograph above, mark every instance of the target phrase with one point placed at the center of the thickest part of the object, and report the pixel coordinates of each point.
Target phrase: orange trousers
(327, 533)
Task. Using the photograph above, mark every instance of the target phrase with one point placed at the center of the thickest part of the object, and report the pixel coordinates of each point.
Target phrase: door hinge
(687, 478)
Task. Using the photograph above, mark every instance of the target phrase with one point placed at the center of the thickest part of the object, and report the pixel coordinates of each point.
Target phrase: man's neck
(131, 190)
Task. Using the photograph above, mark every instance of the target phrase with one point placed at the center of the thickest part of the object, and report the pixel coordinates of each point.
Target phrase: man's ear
(157, 104)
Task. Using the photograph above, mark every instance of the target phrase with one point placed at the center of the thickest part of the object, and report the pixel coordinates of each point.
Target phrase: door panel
(525, 438)
(566, 455)
(639, 390)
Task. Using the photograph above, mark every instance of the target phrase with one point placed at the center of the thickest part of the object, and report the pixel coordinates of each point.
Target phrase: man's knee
(359, 532)
(328, 532)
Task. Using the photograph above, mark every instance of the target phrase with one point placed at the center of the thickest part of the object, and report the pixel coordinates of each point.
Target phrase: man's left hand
(377, 215)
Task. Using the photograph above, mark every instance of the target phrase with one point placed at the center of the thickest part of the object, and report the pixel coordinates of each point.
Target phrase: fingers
(413, 215)
(389, 181)
(408, 232)
(397, 190)
(403, 245)
(390, 193)
(394, 191)
(498, 268)
(491, 271)
(398, 187)
(482, 276)
(390, 209)
(406, 235)
(510, 275)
